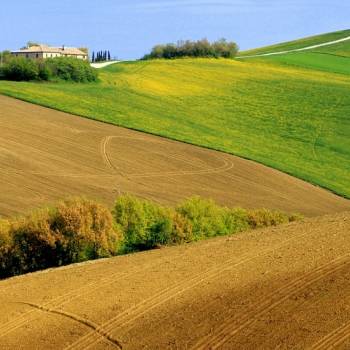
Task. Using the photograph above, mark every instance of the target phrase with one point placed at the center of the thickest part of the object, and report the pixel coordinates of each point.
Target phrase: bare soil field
(286, 287)
(47, 155)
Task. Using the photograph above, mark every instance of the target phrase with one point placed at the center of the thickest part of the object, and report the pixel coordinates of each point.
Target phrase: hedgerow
(200, 48)
(146, 224)
(79, 229)
(59, 68)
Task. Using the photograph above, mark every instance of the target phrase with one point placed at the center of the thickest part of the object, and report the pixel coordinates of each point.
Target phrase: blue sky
(129, 28)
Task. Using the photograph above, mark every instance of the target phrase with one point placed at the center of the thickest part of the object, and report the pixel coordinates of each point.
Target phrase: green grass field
(312, 60)
(300, 43)
(340, 49)
(290, 116)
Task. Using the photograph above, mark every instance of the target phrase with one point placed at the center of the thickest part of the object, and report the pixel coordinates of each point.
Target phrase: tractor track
(123, 320)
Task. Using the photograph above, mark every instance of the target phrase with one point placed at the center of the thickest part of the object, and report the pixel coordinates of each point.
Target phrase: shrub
(237, 220)
(85, 229)
(263, 217)
(207, 218)
(144, 224)
(34, 242)
(71, 69)
(77, 230)
(21, 69)
(44, 72)
(200, 48)
(64, 68)
(182, 231)
(6, 249)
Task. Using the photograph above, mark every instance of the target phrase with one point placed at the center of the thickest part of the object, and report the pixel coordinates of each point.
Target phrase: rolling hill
(284, 287)
(292, 118)
(334, 58)
(321, 61)
(305, 42)
(47, 155)
(280, 287)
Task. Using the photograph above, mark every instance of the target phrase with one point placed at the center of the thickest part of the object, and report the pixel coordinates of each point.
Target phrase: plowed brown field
(47, 155)
(279, 288)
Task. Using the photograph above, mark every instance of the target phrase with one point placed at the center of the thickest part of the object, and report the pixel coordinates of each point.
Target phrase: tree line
(52, 69)
(79, 229)
(200, 48)
(101, 56)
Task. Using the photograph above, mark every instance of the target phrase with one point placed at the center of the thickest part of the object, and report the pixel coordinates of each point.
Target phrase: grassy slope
(312, 60)
(297, 44)
(340, 49)
(333, 58)
(289, 118)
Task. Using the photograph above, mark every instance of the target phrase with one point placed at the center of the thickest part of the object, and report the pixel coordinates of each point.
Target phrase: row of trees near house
(101, 56)
(200, 48)
(52, 69)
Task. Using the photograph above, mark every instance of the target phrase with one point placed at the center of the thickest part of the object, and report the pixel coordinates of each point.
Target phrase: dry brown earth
(47, 155)
(279, 288)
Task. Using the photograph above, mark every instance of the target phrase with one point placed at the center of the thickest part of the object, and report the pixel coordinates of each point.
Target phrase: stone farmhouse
(44, 51)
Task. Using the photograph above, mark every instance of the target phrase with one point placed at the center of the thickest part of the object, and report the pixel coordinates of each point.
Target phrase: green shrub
(64, 68)
(207, 218)
(144, 224)
(79, 229)
(21, 69)
(44, 72)
(71, 69)
(237, 220)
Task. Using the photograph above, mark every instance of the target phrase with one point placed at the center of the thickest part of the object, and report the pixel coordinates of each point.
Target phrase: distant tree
(93, 56)
(102, 55)
(200, 48)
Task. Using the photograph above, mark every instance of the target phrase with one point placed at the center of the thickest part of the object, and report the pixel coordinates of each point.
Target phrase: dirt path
(39, 165)
(103, 64)
(297, 50)
(278, 288)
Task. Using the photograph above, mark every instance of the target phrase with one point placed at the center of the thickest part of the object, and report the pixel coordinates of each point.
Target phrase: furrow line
(233, 325)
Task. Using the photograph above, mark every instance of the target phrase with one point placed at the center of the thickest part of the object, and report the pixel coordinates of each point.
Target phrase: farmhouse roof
(51, 49)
